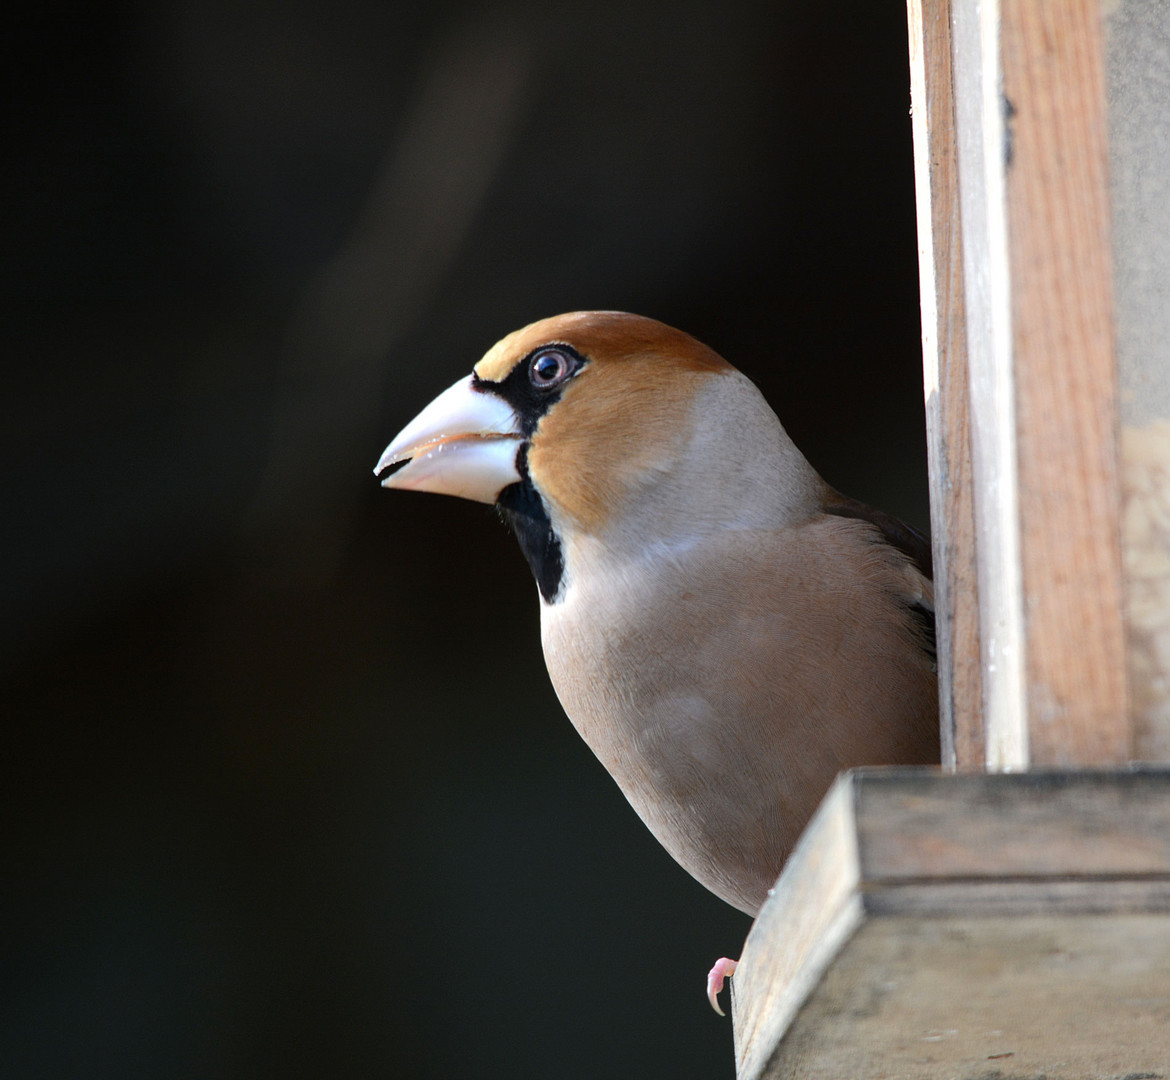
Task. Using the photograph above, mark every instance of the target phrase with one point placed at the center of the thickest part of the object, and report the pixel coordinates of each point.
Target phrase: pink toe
(723, 969)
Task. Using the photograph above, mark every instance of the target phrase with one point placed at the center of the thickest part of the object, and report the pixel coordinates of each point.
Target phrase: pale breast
(724, 685)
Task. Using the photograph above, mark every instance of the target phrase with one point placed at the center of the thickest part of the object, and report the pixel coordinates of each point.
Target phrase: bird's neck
(524, 511)
(751, 478)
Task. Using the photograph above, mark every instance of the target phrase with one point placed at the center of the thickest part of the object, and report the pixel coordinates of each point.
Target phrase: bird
(724, 629)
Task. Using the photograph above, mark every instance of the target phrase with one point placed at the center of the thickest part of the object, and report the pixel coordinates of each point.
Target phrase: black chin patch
(524, 511)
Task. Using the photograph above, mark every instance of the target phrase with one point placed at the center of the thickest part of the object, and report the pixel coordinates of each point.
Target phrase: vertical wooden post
(944, 354)
(1011, 153)
(1065, 373)
(979, 139)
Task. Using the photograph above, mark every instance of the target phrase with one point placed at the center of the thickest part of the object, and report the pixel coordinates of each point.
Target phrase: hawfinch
(725, 630)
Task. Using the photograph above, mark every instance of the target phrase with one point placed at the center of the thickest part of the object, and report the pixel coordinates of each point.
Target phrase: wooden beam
(1012, 176)
(1065, 381)
(944, 354)
(930, 926)
(979, 141)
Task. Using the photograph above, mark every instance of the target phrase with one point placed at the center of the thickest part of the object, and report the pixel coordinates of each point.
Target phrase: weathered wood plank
(1059, 997)
(806, 921)
(1065, 384)
(916, 846)
(1028, 131)
(1109, 824)
(980, 140)
(944, 354)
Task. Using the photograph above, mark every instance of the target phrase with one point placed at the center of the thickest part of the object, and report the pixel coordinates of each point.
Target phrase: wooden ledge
(932, 925)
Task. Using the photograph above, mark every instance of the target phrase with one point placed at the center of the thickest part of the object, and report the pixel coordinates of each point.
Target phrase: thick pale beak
(463, 443)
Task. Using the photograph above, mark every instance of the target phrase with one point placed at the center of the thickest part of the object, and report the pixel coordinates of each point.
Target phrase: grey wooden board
(1066, 997)
(895, 857)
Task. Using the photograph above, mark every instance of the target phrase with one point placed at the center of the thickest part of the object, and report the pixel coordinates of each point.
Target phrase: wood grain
(944, 354)
(1042, 824)
(1017, 855)
(809, 917)
(1062, 342)
(979, 137)
(1062, 997)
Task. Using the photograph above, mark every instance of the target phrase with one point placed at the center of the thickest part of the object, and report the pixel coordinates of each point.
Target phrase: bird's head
(590, 420)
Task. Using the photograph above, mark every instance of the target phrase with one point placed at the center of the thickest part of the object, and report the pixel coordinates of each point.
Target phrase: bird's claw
(723, 969)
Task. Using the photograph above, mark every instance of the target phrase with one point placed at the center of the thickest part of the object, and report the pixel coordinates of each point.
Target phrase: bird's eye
(549, 368)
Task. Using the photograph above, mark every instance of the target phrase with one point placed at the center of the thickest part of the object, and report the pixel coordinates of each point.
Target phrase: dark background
(285, 789)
